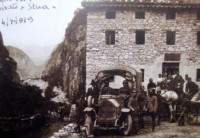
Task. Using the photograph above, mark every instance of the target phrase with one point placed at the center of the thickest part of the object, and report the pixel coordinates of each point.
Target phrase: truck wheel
(127, 125)
(88, 125)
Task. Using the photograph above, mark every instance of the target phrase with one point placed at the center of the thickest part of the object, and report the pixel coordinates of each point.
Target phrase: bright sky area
(36, 31)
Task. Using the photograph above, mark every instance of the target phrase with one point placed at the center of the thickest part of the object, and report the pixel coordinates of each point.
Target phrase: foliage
(17, 100)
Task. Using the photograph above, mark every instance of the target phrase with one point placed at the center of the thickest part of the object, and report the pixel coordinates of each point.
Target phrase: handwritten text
(17, 20)
(10, 17)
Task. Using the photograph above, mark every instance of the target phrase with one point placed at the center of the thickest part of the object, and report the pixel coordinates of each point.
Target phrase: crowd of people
(150, 102)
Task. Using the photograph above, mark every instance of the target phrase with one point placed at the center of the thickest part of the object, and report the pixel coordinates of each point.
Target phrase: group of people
(153, 103)
(176, 83)
(148, 102)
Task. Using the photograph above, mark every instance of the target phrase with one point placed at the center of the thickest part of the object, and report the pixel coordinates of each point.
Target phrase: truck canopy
(130, 74)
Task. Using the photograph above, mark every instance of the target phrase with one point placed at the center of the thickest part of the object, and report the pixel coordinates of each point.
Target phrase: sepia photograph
(100, 69)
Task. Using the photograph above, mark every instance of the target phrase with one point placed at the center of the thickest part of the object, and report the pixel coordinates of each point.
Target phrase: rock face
(25, 66)
(66, 66)
(8, 66)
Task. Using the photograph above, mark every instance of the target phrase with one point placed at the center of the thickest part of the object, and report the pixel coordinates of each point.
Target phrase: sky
(36, 26)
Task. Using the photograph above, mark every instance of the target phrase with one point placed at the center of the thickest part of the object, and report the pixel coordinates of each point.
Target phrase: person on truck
(106, 90)
(125, 90)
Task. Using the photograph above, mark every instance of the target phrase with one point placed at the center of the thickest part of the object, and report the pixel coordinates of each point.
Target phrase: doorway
(170, 68)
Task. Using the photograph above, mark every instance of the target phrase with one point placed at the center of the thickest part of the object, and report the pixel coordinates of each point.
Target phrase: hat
(92, 82)
(150, 79)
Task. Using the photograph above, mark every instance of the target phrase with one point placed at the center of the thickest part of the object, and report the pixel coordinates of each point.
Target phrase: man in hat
(93, 91)
(151, 86)
(133, 104)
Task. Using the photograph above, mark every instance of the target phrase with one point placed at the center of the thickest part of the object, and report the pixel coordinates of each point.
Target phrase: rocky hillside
(25, 66)
(67, 61)
(8, 66)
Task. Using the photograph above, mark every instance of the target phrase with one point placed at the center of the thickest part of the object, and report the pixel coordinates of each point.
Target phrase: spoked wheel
(127, 123)
(88, 125)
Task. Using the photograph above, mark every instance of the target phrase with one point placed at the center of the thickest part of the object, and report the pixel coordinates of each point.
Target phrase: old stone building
(156, 36)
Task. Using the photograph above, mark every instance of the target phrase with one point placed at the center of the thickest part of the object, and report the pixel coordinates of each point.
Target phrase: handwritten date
(17, 20)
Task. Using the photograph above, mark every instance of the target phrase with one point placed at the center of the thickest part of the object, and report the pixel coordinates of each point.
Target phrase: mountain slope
(25, 66)
(8, 66)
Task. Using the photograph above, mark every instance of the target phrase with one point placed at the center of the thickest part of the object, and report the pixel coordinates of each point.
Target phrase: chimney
(1, 40)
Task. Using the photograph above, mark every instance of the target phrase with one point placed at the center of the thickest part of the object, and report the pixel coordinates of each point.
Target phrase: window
(198, 38)
(142, 75)
(171, 37)
(198, 74)
(110, 37)
(140, 37)
(170, 14)
(198, 14)
(110, 15)
(139, 15)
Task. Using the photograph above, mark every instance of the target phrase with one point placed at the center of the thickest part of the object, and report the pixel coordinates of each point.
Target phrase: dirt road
(165, 130)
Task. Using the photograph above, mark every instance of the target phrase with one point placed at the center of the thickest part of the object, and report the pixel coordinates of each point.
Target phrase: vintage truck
(111, 111)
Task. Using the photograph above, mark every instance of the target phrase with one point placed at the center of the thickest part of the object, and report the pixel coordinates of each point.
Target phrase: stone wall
(148, 56)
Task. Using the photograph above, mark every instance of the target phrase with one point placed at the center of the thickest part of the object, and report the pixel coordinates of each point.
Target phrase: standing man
(170, 84)
(151, 86)
(134, 106)
(80, 115)
(160, 106)
(178, 83)
(191, 87)
(151, 107)
(141, 100)
(92, 93)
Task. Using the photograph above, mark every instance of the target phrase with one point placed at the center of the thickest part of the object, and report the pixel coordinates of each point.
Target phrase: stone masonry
(148, 56)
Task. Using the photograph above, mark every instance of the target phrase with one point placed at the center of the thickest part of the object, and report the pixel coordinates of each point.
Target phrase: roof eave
(138, 5)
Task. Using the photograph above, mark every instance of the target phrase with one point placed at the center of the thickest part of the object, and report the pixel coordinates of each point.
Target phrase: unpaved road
(165, 130)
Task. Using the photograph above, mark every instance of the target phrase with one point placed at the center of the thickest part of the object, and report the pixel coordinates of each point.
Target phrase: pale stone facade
(148, 56)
